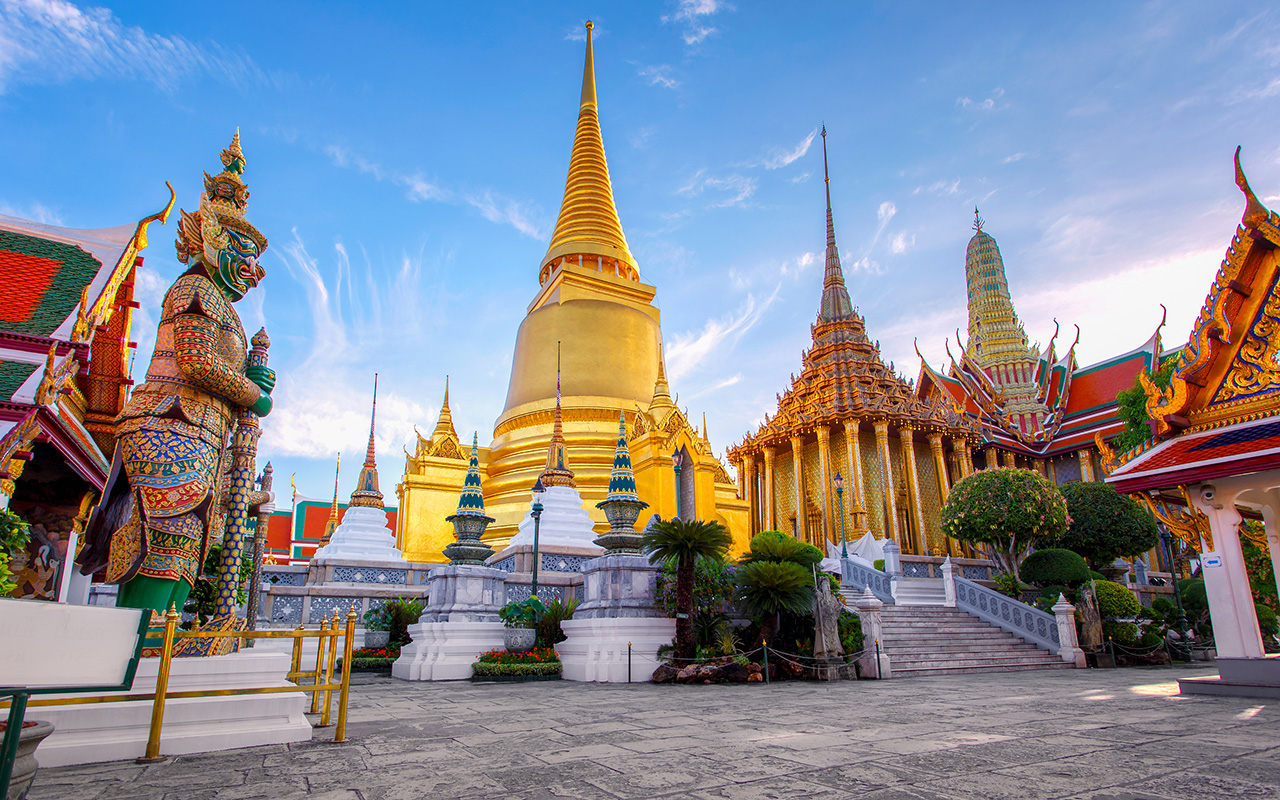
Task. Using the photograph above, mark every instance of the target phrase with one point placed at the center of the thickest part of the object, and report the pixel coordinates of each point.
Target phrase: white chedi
(363, 535)
(564, 523)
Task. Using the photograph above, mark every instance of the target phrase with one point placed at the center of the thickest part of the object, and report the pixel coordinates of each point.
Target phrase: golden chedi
(593, 314)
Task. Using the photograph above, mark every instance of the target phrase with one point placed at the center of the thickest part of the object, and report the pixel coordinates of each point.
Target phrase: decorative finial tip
(590, 24)
(260, 340)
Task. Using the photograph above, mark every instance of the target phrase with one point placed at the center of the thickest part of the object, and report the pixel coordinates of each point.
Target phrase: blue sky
(407, 162)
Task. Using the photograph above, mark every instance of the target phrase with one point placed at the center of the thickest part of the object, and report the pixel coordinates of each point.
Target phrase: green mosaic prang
(471, 501)
(60, 298)
(12, 376)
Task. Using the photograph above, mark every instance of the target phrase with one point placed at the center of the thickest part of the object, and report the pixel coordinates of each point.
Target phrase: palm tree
(685, 541)
(766, 588)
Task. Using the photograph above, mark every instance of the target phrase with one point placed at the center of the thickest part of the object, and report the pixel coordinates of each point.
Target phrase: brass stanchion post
(162, 685)
(340, 734)
(315, 693)
(295, 665)
(332, 641)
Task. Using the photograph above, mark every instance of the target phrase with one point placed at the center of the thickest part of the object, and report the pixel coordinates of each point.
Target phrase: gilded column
(1010, 460)
(1086, 464)
(769, 504)
(824, 470)
(1039, 462)
(940, 464)
(967, 455)
(886, 480)
(1053, 473)
(993, 457)
(907, 436)
(854, 452)
(752, 498)
(797, 464)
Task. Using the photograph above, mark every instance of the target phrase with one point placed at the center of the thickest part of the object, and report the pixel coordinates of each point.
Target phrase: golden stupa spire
(835, 296)
(661, 391)
(444, 426)
(557, 472)
(588, 229)
(331, 524)
(367, 492)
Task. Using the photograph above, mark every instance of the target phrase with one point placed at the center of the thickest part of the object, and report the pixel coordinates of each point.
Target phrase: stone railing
(858, 577)
(975, 569)
(1024, 621)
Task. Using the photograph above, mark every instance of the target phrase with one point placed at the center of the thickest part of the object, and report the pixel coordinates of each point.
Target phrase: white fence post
(1069, 648)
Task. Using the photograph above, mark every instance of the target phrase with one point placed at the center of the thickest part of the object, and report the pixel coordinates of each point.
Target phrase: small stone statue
(826, 634)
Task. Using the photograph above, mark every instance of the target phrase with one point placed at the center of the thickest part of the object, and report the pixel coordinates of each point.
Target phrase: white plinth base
(596, 649)
(445, 651)
(364, 535)
(86, 734)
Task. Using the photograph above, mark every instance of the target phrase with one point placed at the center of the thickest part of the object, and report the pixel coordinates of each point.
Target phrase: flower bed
(372, 659)
(540, 663)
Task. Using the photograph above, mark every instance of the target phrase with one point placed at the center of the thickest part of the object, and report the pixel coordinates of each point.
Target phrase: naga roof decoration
(843, 376)
(1217, 416)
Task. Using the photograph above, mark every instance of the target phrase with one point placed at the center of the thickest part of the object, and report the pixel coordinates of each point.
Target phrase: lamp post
(844, 540)
(536, 513)
(675, 465)
(1177, 596)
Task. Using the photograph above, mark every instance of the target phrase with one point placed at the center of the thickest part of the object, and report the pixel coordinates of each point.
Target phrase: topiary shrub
(1115, 600)
(1125, 633)
(1106, 524)
(483, 669)
(879, 564)
(1012, 509)
(777, 546)
(1053, 566)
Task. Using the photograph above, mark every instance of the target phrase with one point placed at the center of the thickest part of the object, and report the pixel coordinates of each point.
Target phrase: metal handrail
(323, 683)
(1026, 622)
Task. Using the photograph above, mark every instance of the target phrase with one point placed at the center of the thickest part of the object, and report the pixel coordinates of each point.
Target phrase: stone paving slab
(1072, 734)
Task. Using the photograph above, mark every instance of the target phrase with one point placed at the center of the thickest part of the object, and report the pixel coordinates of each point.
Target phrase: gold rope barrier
(322, 678)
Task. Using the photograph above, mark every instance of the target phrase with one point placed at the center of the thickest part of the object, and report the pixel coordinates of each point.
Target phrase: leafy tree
(1133, 407)
(685, 542)
(1012, 509)
(1106, 524)
(713, 587)
(768, 588)
(1257, 562)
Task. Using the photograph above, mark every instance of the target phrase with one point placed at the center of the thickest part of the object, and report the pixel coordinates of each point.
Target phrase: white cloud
(491, 205)
(739, 188)
(639, 139)
(1013, 158)
(659, 75)
(36, 212)
(940, 187)
(686, 351)
(802, 177)
(786, 157)
(49, 41)
(900, 242)
(792, 269)
(715, 387)
(986, 104)
(692, 15)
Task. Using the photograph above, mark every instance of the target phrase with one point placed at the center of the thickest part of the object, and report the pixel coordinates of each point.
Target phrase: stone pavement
(1101, 734)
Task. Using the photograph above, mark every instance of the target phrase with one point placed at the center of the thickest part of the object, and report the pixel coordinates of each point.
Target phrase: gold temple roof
(588, 224)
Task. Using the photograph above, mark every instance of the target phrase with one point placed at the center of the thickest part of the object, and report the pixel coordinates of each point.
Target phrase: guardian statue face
(234, 267)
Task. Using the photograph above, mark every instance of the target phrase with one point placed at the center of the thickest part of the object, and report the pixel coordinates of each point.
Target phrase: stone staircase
(935, 640)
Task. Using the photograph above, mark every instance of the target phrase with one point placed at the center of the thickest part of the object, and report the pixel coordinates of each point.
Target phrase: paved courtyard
(1109, 734)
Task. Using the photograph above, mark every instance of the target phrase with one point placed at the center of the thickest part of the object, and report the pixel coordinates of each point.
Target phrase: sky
(407, 162)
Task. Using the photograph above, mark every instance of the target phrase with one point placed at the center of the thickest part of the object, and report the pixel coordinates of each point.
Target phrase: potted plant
(521, 618)
(377, 627)
(25, 765)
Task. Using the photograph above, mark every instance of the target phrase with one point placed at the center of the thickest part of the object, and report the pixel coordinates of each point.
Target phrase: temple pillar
(824, 471)
(940, 464)
(1053, 473)
(907, 437)
(769, 505)
(752, 496)
(797, 465)
(1086, 465)
(993, 457)
(967, 455)
(1039, 464)
(854, 453)
(1010, 460)
(886, 481)
(1226, 581)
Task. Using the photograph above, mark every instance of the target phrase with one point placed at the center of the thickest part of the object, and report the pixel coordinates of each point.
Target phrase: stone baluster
(1068, 646)
(870, 614)
(949, 582)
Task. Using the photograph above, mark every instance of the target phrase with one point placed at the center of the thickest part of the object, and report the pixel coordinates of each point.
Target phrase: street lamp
(1173, 570)
(844, 541)
(536, 513)
(675, 465)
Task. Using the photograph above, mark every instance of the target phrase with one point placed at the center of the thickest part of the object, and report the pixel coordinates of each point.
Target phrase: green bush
(1106, 524)
(879, 564)
(1049, 596)
(522, 613)
(850, 627)
(1115, 600)
(395, 616)
(558, 610)
(1125, 633)
(1268, 625)
(1012, 509)
(484, 669)
(776, 546)
(1054, 567)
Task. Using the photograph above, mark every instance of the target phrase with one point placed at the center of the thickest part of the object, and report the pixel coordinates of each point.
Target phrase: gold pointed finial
(588, 226)
(444, 425)
(661, 391)
(1255, 213)
(978, 221)
(234, 154)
